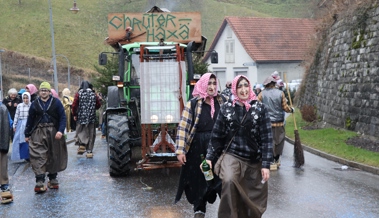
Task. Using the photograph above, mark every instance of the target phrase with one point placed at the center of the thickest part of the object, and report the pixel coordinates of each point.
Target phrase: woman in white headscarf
(19, 123)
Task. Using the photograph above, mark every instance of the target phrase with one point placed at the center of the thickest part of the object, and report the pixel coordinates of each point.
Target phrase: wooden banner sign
(181, 27)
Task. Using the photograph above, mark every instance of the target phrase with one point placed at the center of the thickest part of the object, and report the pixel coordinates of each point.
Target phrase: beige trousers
(86, 135)
(47, 154)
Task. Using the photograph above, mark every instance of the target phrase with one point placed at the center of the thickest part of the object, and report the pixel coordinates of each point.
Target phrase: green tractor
(155, 79)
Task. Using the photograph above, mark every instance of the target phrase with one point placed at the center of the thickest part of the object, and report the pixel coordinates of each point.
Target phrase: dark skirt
(192, 180)
(279, 135)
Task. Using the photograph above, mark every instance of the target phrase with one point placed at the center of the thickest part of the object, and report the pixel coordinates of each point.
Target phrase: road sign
(249, 64)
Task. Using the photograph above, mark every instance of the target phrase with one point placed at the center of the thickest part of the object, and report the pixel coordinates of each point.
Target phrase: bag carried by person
(24, 150)
(217, 167)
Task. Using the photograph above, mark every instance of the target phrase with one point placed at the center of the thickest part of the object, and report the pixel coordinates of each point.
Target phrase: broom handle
(289, 96)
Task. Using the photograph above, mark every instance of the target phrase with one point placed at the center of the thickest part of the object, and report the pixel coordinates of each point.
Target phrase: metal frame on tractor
(124, 127)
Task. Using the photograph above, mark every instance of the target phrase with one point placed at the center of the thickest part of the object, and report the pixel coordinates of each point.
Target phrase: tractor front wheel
(119, 152)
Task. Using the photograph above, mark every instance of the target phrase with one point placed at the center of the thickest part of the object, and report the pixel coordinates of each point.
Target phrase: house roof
(270, 39)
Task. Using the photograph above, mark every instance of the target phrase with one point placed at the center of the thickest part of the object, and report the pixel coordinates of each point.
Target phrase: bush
(308, 113)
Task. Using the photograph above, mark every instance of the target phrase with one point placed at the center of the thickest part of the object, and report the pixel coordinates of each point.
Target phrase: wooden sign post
(181, 27)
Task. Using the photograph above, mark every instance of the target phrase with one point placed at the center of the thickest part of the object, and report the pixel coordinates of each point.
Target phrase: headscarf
(275, 75)
(54, 93)
(279, 83)
(85, 85)
(251, 97)
(27, 94)
(32, 88)
(66, 92)
(201, 88)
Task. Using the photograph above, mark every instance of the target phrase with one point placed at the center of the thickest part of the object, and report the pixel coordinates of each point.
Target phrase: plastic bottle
(208, 174)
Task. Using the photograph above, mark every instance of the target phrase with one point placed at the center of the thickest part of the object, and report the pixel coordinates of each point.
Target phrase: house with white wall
(256, 47)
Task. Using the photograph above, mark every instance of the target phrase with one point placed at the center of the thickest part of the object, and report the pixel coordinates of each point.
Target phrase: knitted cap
(45, 85)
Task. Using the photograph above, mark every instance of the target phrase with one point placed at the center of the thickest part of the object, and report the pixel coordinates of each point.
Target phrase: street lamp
(53, 48)
(74, 10)
(51, 70)
(68, 69)
(1, 77)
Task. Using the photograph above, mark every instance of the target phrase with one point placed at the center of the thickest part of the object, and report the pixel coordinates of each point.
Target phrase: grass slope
(25, 27)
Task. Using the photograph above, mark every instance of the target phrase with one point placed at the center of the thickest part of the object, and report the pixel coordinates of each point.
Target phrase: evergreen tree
(102, 82)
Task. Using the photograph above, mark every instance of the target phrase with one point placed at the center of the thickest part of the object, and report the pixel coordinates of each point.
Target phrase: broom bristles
(298, 151)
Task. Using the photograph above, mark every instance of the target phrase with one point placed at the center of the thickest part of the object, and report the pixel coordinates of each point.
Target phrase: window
(229, 51)
(221, 79)
(228, 32)
(240, 71)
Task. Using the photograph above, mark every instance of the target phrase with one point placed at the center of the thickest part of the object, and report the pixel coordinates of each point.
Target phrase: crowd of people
(33, 124)
(243, 124)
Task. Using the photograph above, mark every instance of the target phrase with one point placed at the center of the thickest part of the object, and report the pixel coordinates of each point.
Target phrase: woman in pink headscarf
(32, 89)
(192, 139)
(54, 93)
(243, 129)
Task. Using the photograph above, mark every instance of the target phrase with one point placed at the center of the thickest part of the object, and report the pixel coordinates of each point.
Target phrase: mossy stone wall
(343, 82)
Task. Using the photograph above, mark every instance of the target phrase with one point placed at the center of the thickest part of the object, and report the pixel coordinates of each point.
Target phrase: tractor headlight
(154, 118)
(169, 118)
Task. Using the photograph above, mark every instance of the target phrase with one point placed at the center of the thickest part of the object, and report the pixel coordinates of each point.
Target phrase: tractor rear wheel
(119, 152)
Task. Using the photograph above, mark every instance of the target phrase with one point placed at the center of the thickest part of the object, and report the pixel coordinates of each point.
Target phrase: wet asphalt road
(320, 190)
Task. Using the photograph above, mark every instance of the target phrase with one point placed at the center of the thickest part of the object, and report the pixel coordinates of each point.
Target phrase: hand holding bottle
(206, 168)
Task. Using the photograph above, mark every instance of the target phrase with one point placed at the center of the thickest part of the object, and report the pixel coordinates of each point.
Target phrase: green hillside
(25, 26)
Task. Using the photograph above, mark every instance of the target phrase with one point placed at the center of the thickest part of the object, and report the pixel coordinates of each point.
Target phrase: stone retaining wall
(343, 82)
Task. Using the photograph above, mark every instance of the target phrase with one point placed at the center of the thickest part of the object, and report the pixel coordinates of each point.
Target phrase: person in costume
(19, 123)
(44, 131)
(84, 107)
(243, 128)
(192, 139)
(5, 129)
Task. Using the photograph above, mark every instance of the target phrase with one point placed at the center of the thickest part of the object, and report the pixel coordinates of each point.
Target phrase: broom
(298, 148)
